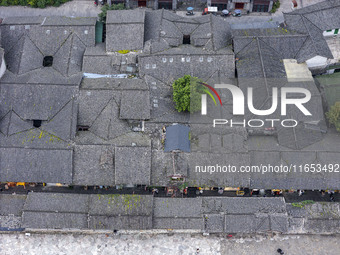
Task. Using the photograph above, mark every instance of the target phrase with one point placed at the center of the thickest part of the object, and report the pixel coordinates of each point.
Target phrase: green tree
(187, 94)
(333, 115)
(106, 7)
(276, 6)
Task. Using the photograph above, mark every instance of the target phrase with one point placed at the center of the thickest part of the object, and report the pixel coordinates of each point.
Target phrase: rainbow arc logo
(204, 97)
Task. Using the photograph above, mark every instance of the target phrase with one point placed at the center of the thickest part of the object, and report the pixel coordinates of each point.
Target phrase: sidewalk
(159, 244)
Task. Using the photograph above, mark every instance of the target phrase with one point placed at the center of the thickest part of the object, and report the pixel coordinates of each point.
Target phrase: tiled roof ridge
(334, 4)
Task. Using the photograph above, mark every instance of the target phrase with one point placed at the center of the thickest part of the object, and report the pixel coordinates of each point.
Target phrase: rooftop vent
(186, 39)
(37, 123)
(82, 128)
(48, 61)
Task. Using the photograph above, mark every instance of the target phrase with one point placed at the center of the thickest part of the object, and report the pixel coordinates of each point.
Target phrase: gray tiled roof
(177, 213)
(177, 207)
(298, 137)
(94, 165)
(125, 16)
(53, 220)
(120, 222)
(120, 212)
(209, 214)
(251, 205)
(11, 204)
(212, 32)
(67, 21)
(314, 218)
(313, 20)
(35, 101)
(125, 30)
(65, 39)
(23, 20)
(323, 14)
(244, 215)
(34, 165)
(168, 65)
(83, 211)
(117, 205)
(132, 165)
(54, 105)
(56, 202)
(135, 105)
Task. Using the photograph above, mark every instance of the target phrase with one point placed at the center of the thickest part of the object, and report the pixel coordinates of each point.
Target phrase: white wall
(331, 33)
(317, 61)
(2, 67)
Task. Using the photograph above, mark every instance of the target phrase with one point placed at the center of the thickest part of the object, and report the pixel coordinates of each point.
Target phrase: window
(48, 61)
(220, 7)
(186, 39)
(37, 123)
(165, 5)
(260, 8)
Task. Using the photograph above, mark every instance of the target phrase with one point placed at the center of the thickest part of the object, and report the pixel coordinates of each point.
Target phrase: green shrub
(4, 3)
(276, 5)
(22, 2)
(333, 116)
(302, 204)
(41, 3)
(33, 3)
(187, 94)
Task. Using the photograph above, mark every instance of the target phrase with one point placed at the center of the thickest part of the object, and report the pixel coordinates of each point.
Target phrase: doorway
(141, 3)
(239, 5)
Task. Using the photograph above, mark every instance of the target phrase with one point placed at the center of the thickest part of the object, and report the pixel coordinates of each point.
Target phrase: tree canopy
(187, 94)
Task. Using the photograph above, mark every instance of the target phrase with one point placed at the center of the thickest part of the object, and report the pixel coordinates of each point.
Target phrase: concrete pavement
(158, 244)
(69, 9)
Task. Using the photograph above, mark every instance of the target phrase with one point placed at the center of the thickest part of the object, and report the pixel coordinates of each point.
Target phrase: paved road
(165, 244)
(86, 8)
(69, 9)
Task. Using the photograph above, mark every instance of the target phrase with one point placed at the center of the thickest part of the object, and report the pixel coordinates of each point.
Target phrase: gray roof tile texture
(125, 30)
(209, 214)
(125, 16)
(11, 204)
(31, 165)
(132, 165)
(135, 105)
(83, 211)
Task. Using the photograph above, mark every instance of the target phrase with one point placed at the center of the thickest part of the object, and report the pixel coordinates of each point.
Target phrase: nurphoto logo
(238, 105)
